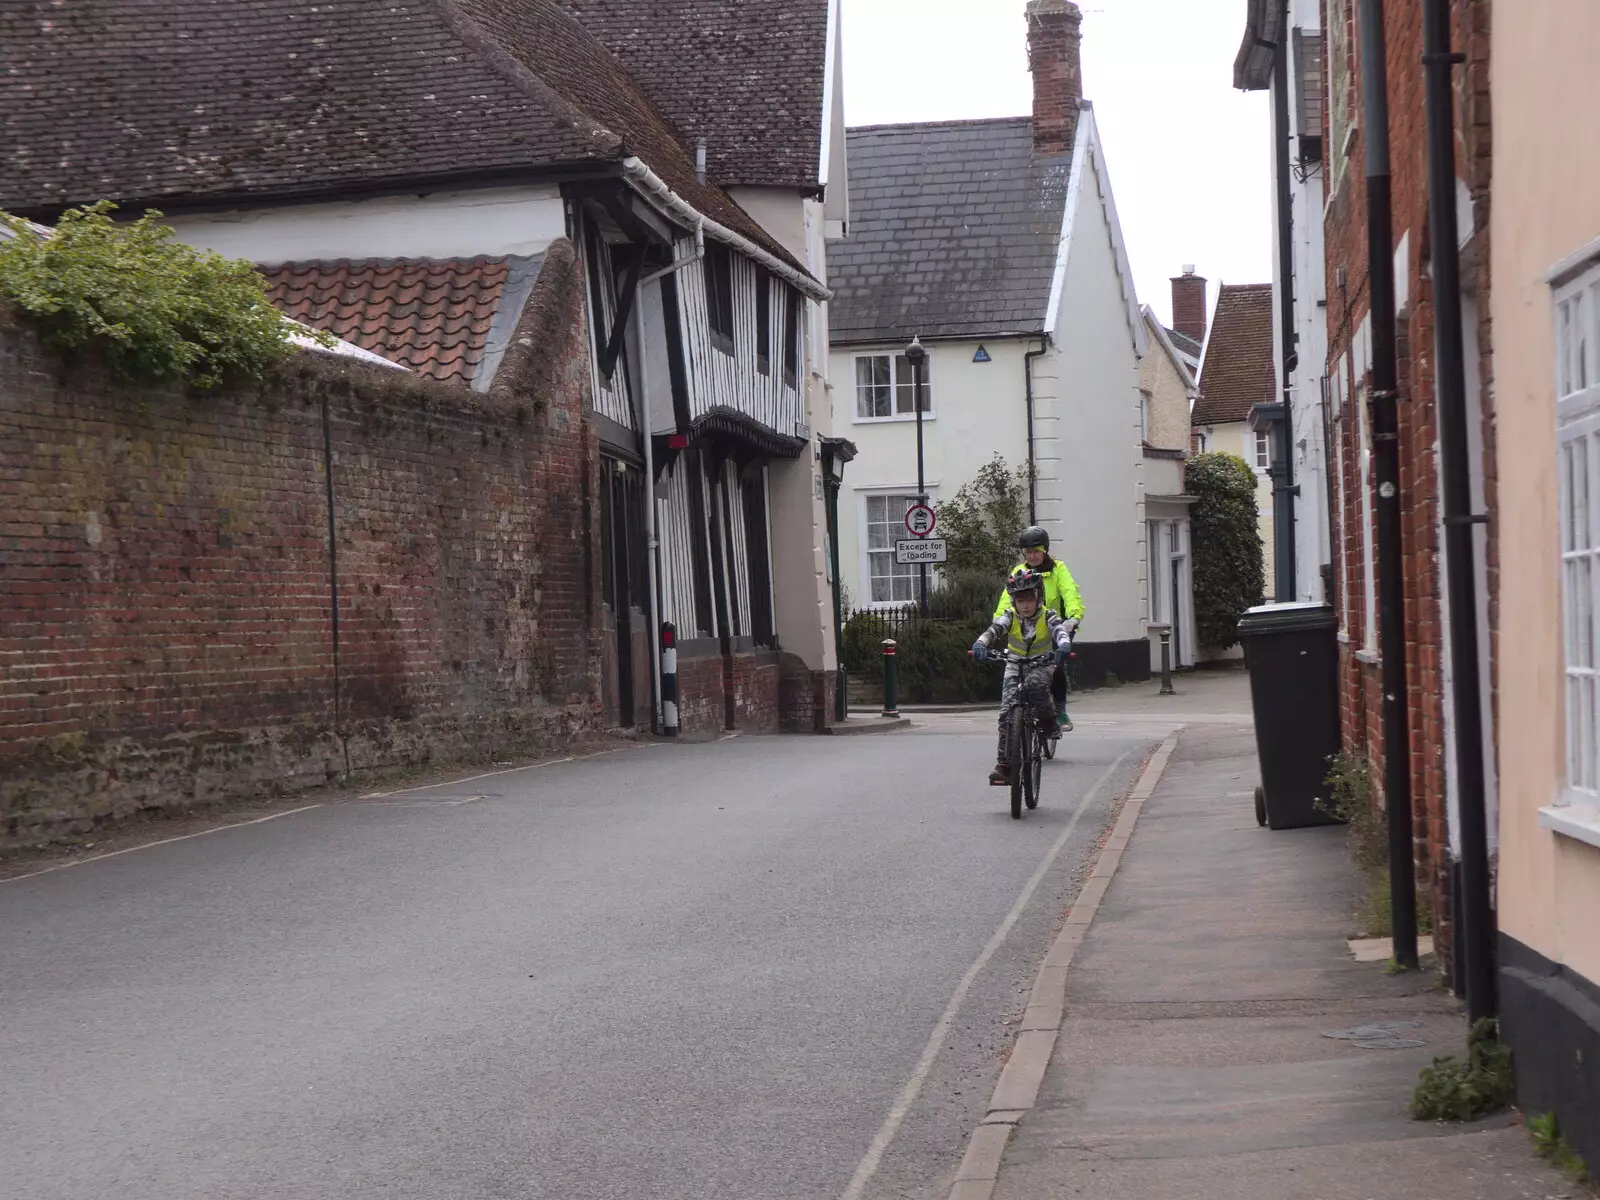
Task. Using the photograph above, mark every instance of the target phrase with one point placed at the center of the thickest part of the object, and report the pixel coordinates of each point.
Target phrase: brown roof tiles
(1238, 371)
(432, 315)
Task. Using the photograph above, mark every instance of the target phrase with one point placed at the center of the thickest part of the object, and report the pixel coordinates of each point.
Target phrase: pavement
(1193, 1058)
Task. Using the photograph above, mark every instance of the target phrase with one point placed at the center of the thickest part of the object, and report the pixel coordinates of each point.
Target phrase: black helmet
(1034, 538)
(1024, 580)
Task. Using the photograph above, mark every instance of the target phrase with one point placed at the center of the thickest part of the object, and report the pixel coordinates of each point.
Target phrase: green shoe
(1064, 721)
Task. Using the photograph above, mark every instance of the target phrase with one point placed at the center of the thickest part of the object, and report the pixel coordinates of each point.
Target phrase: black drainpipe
(1383, 403)
(1476, 935)
(1033, 473)
(1283, 469)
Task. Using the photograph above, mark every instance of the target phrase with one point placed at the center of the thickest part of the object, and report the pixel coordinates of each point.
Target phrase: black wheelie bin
(1293, 657)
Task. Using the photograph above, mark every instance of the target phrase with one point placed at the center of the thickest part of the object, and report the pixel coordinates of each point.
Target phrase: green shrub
(931, 653)
(980, 523)
(161, 310)
(1228, 573)
(1452, 1090)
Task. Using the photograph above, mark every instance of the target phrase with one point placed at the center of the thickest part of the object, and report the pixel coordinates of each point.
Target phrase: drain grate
(1381, 1035)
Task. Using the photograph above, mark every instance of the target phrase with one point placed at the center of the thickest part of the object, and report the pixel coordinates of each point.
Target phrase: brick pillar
(1054, 36)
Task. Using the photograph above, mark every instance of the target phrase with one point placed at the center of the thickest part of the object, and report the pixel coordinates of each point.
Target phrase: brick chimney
(1189, 304)
(1054, 36)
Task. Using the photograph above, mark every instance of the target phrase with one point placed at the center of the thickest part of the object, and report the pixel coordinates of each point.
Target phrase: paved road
(701, 971)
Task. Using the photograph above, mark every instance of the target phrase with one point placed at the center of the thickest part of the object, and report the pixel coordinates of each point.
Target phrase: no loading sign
(920, 520)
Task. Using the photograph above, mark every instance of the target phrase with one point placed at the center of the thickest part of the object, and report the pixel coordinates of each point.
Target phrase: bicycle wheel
(1037, 743)
(1016, 749)
(1050, 744)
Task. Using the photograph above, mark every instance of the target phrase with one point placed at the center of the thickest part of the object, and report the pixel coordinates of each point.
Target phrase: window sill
(1371, 657)
(897, 418)
(1580, 822)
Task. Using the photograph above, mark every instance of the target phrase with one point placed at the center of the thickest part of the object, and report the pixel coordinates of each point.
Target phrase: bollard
(891, 680)
(669, 678)
(1166, 663)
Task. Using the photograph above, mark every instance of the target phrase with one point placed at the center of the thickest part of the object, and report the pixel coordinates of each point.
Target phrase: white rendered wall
(488, 221)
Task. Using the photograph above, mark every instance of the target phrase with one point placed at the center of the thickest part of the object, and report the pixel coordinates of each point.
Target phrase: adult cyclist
(1060, 596)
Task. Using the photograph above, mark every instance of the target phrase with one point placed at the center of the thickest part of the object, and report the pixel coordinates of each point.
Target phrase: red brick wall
(744, 688)
(1345, 231)
(165, 581)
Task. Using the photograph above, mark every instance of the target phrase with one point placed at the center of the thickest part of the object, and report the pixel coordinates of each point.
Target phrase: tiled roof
(1238, 371)
(151, 101)
(954, 230)
(446, 319)
(746, 75)
(1184, 344)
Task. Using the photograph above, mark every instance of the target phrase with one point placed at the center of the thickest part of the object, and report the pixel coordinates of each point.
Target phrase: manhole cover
(1380, 1035)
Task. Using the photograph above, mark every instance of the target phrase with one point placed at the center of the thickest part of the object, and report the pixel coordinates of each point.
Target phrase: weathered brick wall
(1345, 230)
(741, 693)
(166, 617)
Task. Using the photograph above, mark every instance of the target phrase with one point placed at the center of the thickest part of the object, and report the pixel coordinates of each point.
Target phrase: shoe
(1064, 721)
(1000, 776)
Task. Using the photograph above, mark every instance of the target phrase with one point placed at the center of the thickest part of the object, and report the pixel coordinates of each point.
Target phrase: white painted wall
(1087, 428)
(979, 410)
(488, 221)
(802, 586)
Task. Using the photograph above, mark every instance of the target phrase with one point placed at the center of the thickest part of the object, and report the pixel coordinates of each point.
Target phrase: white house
(996, 242)
(1299, 293)
(1167, 390)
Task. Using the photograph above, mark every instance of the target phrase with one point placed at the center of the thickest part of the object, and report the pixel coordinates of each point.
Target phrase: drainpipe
(1033, 474)
(1477, 933)
(1283, 491)
(652, 545)
(1383, 402)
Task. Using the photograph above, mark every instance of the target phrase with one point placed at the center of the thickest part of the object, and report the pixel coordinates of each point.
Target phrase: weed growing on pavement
(1452, 1090)
(1367, 838)
(1556, 1150)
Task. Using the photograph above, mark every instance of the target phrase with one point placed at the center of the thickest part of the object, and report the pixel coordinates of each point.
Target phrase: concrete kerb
(1017, 1089)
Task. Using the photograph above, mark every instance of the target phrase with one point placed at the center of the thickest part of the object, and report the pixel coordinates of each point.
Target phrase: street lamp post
(918, 358)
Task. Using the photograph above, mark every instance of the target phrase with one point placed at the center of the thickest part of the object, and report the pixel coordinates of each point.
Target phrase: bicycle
(1032, 738)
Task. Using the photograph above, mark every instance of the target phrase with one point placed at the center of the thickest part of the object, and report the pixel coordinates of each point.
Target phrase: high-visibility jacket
(1060, 591)
(1028, 637)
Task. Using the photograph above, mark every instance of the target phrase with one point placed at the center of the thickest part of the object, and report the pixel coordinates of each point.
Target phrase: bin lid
(1286, 618)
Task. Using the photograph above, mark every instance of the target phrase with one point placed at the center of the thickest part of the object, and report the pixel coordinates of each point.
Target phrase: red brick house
(1430, 751)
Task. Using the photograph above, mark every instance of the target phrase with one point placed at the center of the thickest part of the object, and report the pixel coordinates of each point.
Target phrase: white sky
(1189, 156)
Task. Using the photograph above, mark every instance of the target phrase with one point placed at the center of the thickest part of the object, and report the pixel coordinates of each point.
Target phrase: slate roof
(954, 229)
(446, 319)
(154, 101)
(747, 75)
(1184, 343)
(1238, 371)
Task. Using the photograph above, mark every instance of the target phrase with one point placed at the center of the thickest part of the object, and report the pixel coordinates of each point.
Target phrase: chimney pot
(1189, 304)
(1054, 41)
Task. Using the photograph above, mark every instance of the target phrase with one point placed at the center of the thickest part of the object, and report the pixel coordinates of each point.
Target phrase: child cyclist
(1034, 643)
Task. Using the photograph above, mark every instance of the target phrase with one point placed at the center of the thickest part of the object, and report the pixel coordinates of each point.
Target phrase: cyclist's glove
(1062, 654)
(980, 651)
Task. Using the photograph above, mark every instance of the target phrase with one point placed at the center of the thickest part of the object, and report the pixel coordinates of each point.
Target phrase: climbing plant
(1229, 576)
(161, 310)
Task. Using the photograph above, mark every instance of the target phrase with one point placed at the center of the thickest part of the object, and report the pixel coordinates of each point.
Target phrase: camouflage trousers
(1024, 683)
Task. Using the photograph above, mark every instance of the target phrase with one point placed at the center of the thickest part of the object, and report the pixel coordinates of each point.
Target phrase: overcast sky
(1189, 156)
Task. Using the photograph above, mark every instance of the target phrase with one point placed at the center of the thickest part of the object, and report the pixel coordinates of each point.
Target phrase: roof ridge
(950, 124)
(512, 69)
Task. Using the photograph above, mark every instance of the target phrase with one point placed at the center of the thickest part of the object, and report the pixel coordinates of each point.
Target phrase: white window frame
(1575, 305)
(893, 354)
(1369, 580)
(865, 499)
(1262, 450)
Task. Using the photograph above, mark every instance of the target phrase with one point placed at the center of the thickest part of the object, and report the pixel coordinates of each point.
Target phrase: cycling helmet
(1024, 580)
(1033, 538)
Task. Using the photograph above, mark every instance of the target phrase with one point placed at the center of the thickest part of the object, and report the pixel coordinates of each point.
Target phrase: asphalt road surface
(757, 969)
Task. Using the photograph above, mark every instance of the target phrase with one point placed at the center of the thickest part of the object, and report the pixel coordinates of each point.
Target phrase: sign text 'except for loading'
(911, 551)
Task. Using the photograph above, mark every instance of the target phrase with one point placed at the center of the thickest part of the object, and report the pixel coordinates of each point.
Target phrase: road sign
(920, 520)
(921, 550)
